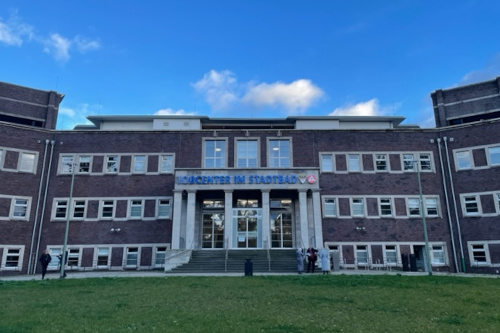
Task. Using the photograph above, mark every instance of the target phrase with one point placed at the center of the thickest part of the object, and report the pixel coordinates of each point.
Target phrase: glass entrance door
(213, 231)
(281, 229)
(248, 222)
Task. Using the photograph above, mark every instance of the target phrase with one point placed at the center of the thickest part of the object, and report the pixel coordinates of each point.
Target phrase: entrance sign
(244, 179)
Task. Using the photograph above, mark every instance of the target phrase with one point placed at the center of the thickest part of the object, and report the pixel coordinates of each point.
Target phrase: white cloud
(67, 112)
(70, 117)
(296, 96)
(491, 71)
(172, 112)
(222, 91)
(368, 108)
(219, 89)
(14, 32)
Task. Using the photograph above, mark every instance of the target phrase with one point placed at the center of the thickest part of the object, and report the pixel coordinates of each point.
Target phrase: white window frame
(463, 160)
(60, 206)
(358, 250)
(276, 157)
(438, 255)
(493, 155)
(133, 206)
(245, 154)
(408, 160)
(354, 163)
(356, 204)
(479, 247)
(1, 159)
(381, 159)
(327, 166)
(139, 164)
(468, 202)
(20, 203)
(127, 256)
(329, 207)
(54, 263)
(393, 251)
(74, 257)
(166, 163)
(67, 164)
(217, 156)
(84, 162)
(412, 204)
(160, 252)
(27, 162)
(425, 162)
(6, 254)
(98, 254)
(160, 205)
(112, 164)
(383, 204)
(77, 205)
(106, 204)
(431, 204)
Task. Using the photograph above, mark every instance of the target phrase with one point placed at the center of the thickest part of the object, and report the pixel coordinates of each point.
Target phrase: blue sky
(260, 58)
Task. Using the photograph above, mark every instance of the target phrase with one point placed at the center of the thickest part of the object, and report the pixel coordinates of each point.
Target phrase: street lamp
(427, 255)
(68, 213)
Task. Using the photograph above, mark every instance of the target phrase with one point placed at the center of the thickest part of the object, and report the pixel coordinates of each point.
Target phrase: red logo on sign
(311, 179)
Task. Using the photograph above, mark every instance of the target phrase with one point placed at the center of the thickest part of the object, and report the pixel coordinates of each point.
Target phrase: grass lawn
(302, 303)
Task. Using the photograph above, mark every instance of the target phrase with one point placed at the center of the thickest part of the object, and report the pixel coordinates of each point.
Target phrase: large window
(330, 207)
(438, 257)
(279, 153)
(135, 209)
(494, 154)
(247, 154)
(79, 209)
(139, 164)
(327, 163)
(107, 209)
(471, 205)
(27, 162)
(84, 164)
(425, 162)
(103, 257)
(11, 259)
(464, 160)
(163, 208)
(20, 209)
(362, 254)
(160, 255)
(408, 162)
(112, 164)
(413, 205)
(358, 207)
(353, 163)
(479, 254)
(381, 162)
(66, 164)
(215, 154)
(166, 163)
(431, 207)
(391, 255)
(132, 257)
(61, 209)
(386, 207)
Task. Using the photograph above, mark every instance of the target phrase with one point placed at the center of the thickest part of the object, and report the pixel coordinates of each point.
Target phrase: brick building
(139, 190)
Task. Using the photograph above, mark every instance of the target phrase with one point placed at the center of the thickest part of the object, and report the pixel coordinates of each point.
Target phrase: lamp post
(428, 266)
(66, 230)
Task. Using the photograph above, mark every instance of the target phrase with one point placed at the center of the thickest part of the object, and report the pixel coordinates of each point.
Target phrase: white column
(317, 221)
(228, 219)
(190, 215)
(176, 220)
(304, 230)
(266, 228)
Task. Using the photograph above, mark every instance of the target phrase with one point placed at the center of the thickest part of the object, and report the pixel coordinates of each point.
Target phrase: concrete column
(190, 216)
(228, 219)
(176, 220)
(317, 220)
(304, 230)
(266, 212)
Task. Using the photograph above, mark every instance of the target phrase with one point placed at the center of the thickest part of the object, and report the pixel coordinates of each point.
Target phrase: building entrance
(248, 226)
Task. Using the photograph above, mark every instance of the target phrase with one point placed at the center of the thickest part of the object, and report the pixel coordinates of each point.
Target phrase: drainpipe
(30, 258)
(462, 258)
(447, 206)
(52, 143)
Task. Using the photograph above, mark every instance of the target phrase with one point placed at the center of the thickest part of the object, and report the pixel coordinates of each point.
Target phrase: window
(498, 203)
(493, 152)
(385, 207)
(167, 163)
(358, 207)
(438, 255)
(103, 257)
(464, 160)
(73, 257)
(160, 254)
(27, 162)
(54, 263)
(479, 254)
(215, 154)
(139, 164)
(84, 164)
(471, 205)
(66, 164)
(12, 259)
(330, 207)
(112, 164)
(246, 154)
(381, 162)
(327, 163)
(361, 254)
(413, 205)
(408, 162)
(61, 209)
(79, 209)
(353, 163)
(431, 207)
(163, 209)
(135, 208)
(1, 156)
(132, 255)
(391, 255)
(425, 162)
(20, 210)
(107, 208)
(279, 154)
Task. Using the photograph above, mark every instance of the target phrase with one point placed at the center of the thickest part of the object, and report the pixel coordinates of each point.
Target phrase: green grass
(305, 303)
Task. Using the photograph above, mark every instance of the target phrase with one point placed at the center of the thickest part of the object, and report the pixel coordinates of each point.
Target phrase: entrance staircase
(214, 261)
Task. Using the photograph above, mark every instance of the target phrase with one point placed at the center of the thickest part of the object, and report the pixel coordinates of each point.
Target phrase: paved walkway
(125, 274)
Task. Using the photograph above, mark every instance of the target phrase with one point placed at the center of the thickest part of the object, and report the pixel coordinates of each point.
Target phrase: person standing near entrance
(300, 261)
(325, 263)
(311, 259)
(45, 259)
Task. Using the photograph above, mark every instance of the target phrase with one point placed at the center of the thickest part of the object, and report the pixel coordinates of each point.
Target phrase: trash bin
(405, 262)
(248, 267)
(413, 263)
